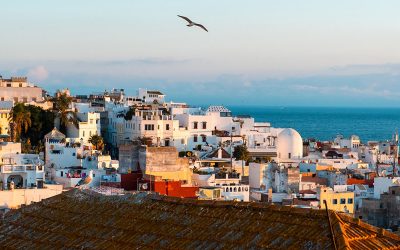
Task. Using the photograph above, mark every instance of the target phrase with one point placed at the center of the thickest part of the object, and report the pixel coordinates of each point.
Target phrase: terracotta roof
(85, 220)
(314, 179)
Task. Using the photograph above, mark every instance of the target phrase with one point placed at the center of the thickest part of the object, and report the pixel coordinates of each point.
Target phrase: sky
(266, 52)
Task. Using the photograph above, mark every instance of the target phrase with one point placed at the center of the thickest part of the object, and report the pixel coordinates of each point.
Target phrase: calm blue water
(325, 123)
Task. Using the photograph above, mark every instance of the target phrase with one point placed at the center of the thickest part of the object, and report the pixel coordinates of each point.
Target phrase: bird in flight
(191, 23)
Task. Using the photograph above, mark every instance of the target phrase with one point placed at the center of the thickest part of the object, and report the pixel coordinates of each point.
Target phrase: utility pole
(396, 153)
(231, 151)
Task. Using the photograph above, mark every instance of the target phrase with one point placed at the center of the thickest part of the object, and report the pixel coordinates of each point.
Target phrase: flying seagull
(192, 23)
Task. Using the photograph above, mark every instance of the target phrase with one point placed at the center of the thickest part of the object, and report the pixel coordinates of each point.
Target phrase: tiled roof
(217, 109)
(85, 220)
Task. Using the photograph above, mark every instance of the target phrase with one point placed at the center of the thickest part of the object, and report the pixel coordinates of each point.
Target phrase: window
(8, 84)
(334, 201)
(195, 125)
(34, 99)
(2, 98)
(342, 201)
(62, 173)
(149, 127)
(73, 154)
(350, 200)
(83, 133)
(290, 155)
(20, 84)
(204, 125)
(195, 138)
(204, 138)
(167, 127)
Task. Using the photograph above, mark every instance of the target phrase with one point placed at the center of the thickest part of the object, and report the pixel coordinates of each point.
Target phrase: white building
(88, 125)
(352, 143)
(382, 184)
(23, 170)
(67, 161)
(150, 96)
(289, 146)
(228, 183)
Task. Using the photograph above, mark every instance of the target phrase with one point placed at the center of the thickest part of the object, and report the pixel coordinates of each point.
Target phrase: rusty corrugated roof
(86, 220)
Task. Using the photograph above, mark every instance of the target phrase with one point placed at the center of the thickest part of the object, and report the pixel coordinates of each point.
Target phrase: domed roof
(54, 134)
(290, 144)
(355, 137)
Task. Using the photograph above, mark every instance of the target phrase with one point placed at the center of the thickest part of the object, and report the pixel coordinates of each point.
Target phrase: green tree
(97, 141)
(61, 105)
(240, 152)
(42, 123)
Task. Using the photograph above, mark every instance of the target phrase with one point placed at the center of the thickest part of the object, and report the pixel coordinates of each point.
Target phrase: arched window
(230, 189)
(234, 190)
(239, 189)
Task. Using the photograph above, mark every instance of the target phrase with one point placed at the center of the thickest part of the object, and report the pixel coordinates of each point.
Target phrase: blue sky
(284, 53)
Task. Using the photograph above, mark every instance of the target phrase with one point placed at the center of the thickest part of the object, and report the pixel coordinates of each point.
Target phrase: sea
(325, 123)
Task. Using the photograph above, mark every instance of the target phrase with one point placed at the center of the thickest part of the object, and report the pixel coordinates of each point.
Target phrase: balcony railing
(20, 168)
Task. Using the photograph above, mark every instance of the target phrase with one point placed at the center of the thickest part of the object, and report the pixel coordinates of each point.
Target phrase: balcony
(20, 168)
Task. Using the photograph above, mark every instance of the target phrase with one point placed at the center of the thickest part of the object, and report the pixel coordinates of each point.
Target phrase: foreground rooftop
(84, 219)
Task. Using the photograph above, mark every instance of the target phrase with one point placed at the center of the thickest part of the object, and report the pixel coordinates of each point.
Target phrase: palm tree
(96, 141)
(20, 120)
(241, 153)
(61, 108)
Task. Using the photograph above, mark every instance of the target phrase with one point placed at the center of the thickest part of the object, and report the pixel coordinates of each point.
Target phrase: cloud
(353, 69)
(38, 73)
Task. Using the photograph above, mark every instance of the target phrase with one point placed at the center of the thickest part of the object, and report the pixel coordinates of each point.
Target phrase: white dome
(290, 144)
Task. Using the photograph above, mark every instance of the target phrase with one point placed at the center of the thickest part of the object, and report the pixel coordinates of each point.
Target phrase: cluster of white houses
(179, 150)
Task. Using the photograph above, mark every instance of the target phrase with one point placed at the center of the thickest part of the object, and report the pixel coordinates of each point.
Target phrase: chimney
(219, 153)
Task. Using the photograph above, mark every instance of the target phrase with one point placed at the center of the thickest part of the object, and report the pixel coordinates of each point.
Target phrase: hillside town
(52, 143)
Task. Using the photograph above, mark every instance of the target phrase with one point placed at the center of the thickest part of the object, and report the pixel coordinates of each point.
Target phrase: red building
(135, 181)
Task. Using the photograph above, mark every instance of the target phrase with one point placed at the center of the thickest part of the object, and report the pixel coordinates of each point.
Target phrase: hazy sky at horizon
(286, 52)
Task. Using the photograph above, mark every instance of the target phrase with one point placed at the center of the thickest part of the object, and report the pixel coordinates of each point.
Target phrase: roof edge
(377, 230)
(339, 235)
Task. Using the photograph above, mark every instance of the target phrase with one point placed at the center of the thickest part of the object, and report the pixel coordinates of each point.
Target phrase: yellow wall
(209, 194)
(330, 196)
(4, 125)
(184, 175)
